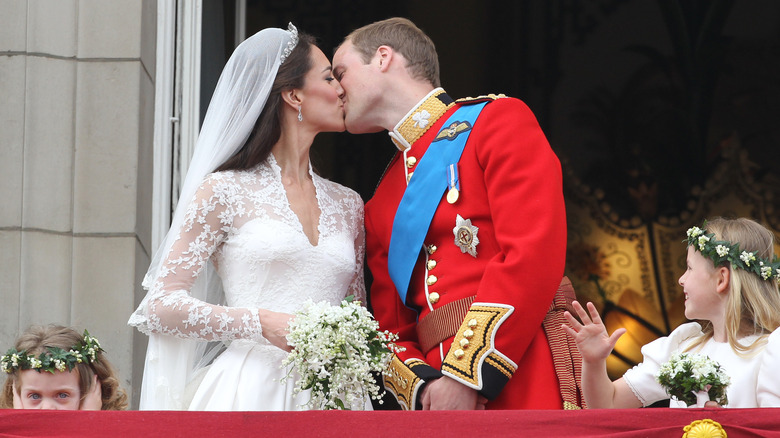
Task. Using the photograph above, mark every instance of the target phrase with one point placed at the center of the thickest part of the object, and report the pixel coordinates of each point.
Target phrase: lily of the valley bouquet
(335, 350)
(694, 379)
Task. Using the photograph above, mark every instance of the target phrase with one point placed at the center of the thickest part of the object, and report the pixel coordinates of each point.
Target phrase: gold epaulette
(483, 98)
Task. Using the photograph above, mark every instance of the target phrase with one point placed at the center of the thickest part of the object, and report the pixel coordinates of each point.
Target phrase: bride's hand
(591, 335)
(275, 327)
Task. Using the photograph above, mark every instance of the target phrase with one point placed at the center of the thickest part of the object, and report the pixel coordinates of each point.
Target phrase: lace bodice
(242, 222)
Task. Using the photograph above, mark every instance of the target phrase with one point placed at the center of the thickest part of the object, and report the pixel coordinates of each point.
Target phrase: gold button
(409, 176)
(431, 264)
(468, 333)
(431, 280)
(458, 353)
(473, 323)
(410, 162)
(464, 343)
(431, 249)
(433, 297)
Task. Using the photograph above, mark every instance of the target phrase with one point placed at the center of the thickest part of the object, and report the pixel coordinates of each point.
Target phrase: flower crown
(55, 359)
(290, 44)
(721, 251)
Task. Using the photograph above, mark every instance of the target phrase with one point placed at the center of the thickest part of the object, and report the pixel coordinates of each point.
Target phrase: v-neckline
(297, 219)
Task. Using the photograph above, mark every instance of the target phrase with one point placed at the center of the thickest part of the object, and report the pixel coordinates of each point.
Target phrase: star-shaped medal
(466, 236)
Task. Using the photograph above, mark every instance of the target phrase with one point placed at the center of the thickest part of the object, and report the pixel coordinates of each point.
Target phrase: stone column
(76, 126)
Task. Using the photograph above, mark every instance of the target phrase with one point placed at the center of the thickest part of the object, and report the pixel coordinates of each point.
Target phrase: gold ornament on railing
(704, 429)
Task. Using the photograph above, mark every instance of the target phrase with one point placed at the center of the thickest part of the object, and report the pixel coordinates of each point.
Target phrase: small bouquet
(687, 375)
(335, 349)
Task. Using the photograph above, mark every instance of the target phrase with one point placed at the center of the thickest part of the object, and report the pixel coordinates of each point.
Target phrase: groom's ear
(383, 56)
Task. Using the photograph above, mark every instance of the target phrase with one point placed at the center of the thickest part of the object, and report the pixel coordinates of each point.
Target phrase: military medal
(466, 236)
(453, 183)
(452, 195)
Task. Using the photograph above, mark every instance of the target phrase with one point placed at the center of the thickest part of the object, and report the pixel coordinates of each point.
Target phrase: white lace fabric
(243, 223)
(235, 246)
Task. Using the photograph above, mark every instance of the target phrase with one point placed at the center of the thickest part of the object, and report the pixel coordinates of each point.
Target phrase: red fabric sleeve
(525, 194)
(523, 186)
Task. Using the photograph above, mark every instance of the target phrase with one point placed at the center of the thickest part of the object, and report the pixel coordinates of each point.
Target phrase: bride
(255, 234)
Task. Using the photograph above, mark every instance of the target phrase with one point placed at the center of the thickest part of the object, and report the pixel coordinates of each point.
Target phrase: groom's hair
(404, 37)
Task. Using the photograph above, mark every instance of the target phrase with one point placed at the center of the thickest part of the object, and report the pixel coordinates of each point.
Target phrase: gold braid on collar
(420, 119)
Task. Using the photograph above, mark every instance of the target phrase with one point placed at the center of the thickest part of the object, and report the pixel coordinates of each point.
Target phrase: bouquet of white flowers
(335, 349)
(685, 375)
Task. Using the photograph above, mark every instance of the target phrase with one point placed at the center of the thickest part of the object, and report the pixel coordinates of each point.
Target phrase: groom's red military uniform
(495, 254)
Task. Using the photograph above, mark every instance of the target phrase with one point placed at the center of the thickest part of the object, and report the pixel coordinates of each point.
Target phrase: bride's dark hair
(268, 128)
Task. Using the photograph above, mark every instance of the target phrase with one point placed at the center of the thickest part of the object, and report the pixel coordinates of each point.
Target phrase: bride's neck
(292, 156)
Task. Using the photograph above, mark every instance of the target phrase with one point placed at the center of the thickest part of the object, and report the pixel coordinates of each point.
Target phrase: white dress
(243, 223)
(755, 381)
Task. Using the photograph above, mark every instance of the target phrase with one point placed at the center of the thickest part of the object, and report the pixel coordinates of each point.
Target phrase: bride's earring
(300, 116)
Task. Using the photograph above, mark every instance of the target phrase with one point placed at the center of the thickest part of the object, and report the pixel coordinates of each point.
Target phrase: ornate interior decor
(629, 267)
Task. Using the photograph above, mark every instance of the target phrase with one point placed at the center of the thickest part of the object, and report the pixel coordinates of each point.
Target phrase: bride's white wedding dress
(243, 223)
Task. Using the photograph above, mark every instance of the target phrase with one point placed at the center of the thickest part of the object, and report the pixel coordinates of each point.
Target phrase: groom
(466, 232)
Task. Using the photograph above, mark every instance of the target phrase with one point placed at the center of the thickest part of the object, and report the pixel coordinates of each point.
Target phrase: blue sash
(423, 195)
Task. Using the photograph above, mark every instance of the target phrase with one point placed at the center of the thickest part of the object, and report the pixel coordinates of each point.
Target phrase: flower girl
(54, 367)
(731, 291)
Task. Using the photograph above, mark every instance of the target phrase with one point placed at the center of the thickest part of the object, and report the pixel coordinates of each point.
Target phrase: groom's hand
(445, 393)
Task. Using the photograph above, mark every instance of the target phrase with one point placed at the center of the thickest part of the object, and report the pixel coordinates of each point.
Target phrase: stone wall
(76, 129)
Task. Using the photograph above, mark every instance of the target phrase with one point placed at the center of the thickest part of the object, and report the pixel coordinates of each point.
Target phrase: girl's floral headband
(721, 251)
(55, 359)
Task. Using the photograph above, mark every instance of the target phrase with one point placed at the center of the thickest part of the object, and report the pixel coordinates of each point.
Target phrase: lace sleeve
(171, 309)
(358, 286)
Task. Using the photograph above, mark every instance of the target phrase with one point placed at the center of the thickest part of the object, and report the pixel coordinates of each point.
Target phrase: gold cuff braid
(403, 382)
(473, 346)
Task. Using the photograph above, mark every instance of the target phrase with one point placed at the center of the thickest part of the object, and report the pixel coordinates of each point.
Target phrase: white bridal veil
(238, 99)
